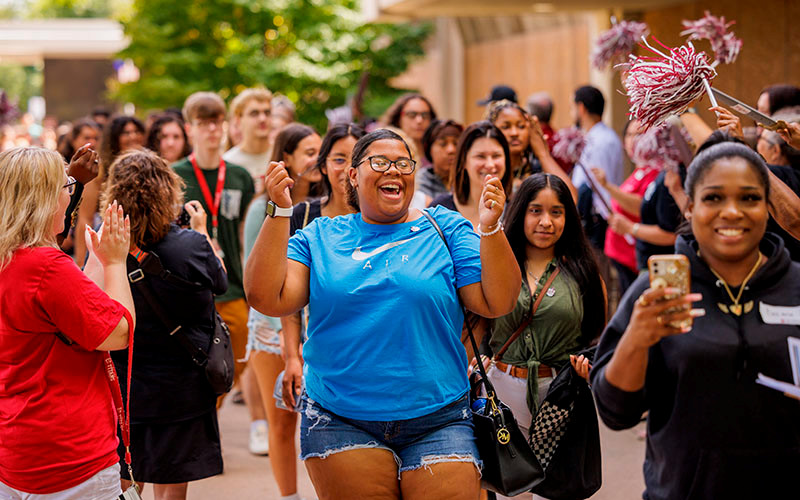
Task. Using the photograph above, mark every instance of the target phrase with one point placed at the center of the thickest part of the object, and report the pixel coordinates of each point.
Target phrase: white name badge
(779, 315)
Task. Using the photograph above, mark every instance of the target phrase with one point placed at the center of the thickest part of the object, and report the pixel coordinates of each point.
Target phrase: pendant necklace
(737, 308)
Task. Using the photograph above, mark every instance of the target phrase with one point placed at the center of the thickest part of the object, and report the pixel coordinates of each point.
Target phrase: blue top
(384, 334)
(604, 151)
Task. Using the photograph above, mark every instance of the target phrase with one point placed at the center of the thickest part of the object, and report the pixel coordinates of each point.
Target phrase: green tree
(312, 51)
(20, 83)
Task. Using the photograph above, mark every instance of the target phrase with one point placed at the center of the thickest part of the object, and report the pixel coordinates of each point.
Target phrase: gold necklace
(736, 308)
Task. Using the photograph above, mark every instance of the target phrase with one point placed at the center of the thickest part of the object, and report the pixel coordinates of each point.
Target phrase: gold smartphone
(671, 271)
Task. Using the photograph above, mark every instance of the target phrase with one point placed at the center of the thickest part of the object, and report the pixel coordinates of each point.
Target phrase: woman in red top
(626, 201)
(57, 419)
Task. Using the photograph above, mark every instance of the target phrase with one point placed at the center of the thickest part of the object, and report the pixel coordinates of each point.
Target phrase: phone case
(671, 271)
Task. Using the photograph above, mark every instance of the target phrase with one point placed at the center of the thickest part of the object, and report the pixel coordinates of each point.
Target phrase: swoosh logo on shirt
(359, 255)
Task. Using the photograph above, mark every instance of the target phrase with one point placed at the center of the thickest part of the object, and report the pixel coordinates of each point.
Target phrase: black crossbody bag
(509, 465)
(217, 360)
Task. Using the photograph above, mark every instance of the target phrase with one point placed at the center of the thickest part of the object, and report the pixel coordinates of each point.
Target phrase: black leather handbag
(217, 359)
(509, 465)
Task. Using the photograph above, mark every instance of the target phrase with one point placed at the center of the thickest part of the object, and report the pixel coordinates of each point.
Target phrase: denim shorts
(445, 435)
(261, 335)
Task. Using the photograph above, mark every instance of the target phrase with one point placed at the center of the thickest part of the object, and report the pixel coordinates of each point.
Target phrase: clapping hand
(113, 244)
(84, 165)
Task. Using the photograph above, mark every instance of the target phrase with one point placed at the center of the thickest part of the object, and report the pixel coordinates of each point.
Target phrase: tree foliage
(312, 51)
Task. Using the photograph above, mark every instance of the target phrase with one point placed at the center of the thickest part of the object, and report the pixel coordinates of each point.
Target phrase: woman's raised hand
(538, 140)
(493, 200)
(650, 321)
(728, 122)
(112, 246)
(279, 184)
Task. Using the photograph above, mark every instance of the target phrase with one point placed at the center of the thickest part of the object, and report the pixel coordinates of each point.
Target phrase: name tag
(779, 315)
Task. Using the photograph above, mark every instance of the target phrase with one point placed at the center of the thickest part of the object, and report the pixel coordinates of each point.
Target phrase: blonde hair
(240, 101)
(31, 180)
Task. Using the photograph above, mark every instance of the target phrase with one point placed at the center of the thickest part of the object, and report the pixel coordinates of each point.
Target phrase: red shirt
(616, 247)
(57, 419)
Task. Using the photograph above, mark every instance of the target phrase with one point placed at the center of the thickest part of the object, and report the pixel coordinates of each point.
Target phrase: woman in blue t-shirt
(385, 411)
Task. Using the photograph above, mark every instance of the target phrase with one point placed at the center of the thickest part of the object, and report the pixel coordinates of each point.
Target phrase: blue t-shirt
(384, 333)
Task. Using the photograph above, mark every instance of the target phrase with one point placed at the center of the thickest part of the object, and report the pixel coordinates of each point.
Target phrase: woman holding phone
(712, 431)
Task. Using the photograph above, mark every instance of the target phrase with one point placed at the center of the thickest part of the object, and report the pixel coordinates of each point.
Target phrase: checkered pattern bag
(549, 427)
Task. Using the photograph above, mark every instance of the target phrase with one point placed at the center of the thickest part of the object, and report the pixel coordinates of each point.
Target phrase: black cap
(498, 93)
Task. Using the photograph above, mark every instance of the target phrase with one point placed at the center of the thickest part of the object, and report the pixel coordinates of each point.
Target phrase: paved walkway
(248, 477)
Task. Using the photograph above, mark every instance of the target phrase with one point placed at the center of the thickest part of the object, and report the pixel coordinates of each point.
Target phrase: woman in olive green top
(544, 230)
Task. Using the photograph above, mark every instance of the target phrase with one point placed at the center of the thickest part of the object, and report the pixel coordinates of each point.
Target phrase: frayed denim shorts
(263, 334)
(445, 435)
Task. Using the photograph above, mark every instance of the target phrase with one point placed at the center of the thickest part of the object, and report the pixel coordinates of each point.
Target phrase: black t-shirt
(446, 200)
(167, 385)
(789, 177)
(303, 213)
(659, 208)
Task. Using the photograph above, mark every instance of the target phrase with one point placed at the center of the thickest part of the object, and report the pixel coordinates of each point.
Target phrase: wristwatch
(274, 210)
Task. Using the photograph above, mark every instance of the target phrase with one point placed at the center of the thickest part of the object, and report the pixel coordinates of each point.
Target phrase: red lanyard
(123, 413)
(213, 207)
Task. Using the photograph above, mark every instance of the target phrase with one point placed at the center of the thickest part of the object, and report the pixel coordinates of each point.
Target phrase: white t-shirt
(256, 164)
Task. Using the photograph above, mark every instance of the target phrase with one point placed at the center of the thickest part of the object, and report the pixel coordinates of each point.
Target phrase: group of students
(342, 262)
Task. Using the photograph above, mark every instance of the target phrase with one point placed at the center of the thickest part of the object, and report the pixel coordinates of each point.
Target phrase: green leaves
(312, 51)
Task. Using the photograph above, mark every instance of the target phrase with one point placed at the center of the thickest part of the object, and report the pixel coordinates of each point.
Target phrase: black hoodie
(713, 433)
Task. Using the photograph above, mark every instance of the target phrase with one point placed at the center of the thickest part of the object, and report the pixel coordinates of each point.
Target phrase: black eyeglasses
(70, 185)
(382, 164)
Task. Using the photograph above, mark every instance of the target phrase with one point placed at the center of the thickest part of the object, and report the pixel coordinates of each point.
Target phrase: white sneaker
(259, 438)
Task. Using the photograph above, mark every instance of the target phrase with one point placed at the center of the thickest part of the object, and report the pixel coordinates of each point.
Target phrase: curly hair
(495, 107)
(150, 192)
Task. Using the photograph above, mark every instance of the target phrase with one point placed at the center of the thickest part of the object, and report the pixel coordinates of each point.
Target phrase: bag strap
(529, 317)
(490, 392)
(137, 279)
(305, 215)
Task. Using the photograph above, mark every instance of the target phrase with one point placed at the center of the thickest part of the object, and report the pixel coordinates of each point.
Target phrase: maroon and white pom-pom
(661, 85)
(725, 45)
(569, 144)
(614, 45)
(656, 148)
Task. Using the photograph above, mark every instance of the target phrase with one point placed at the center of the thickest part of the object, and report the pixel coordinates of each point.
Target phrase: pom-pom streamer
(569, 144)
(615, 44)
(725, 45)
(662, 85)
(656, 148)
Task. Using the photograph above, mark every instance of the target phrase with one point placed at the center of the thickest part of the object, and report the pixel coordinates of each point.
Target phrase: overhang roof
(396, 10)
(31, 41)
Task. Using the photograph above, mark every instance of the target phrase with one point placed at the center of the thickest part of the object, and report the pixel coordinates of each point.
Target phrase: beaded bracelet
(497, 228)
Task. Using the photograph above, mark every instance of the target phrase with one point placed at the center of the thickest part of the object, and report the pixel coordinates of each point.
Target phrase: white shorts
(105, 485)
(513, 391)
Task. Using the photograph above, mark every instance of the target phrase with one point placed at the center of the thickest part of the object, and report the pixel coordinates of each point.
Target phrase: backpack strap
(137, 279)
